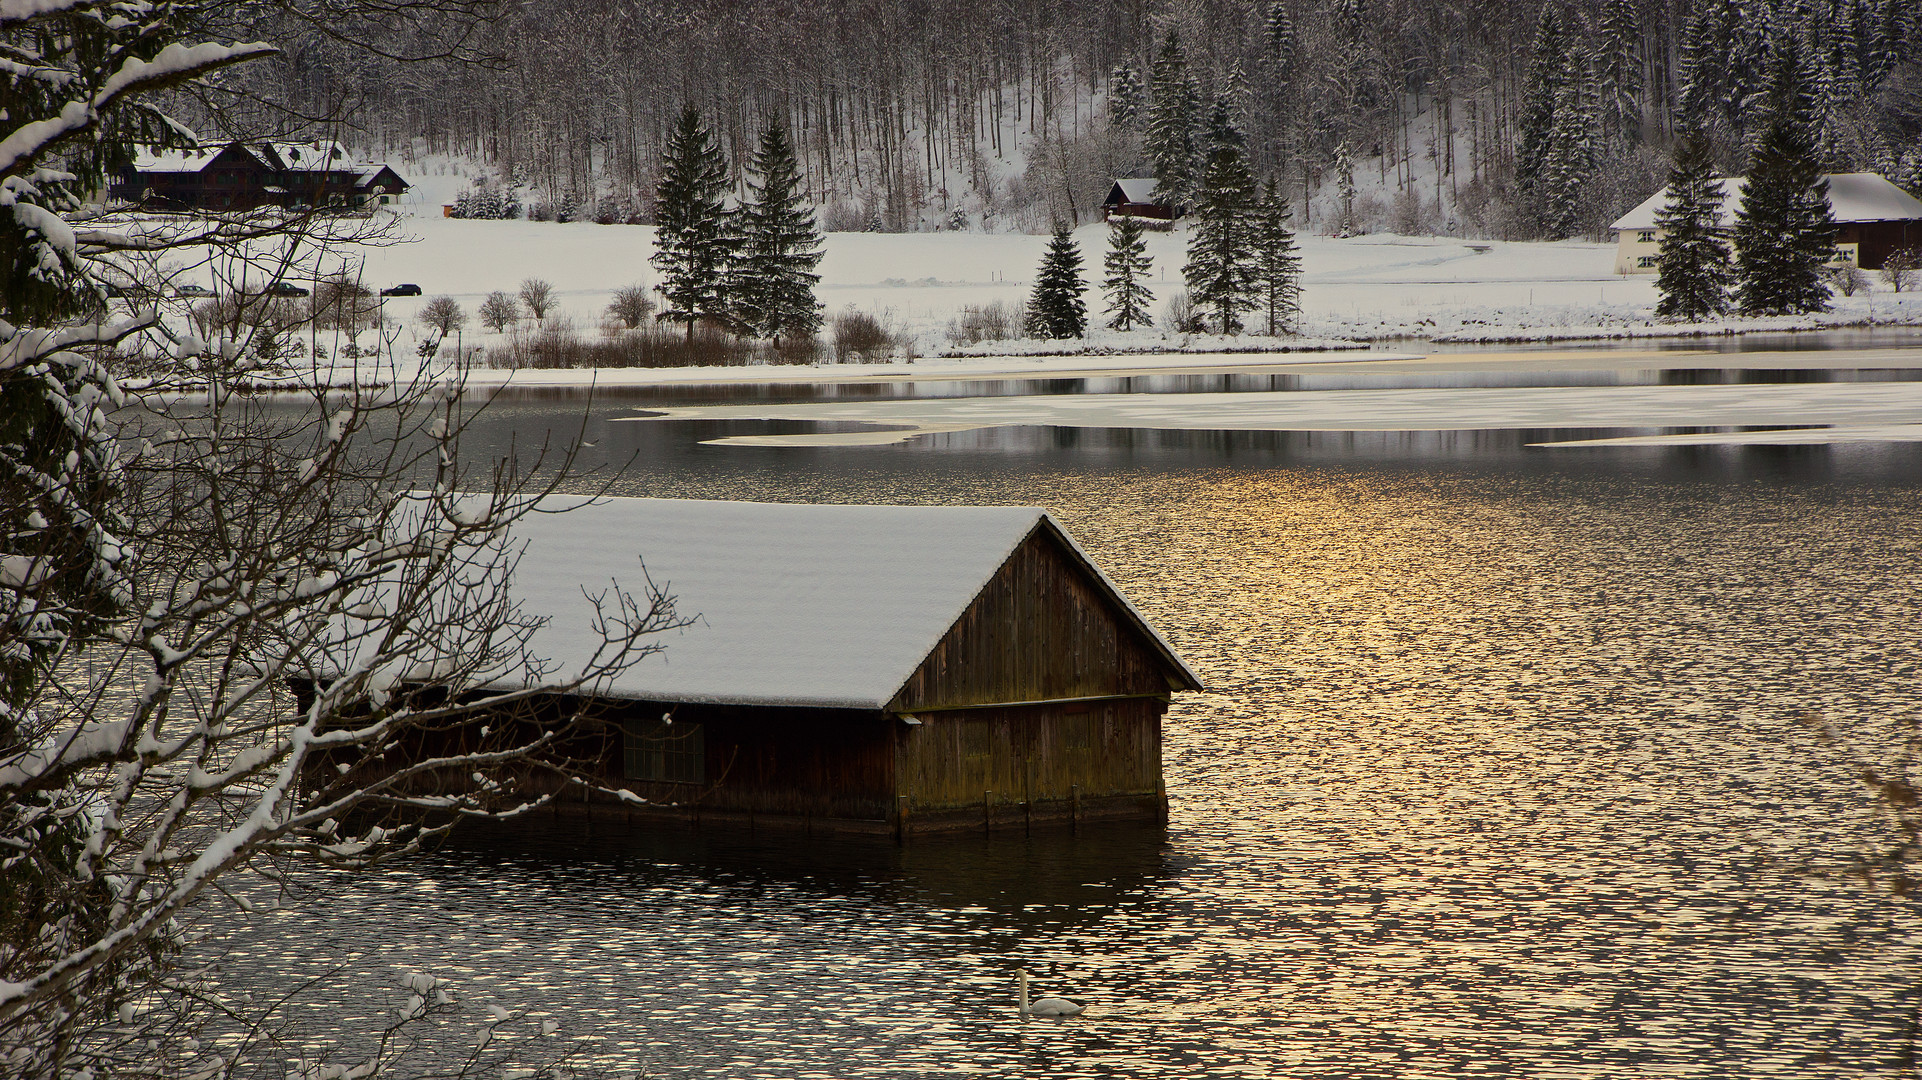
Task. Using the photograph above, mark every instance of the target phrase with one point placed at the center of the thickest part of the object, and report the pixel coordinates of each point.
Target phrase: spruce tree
(1174, 115)
(1569, 162)
(1127, 265)
(1785, 231)
(1125, 95)
(774, 275)
(1277, 262)
(1541, 93)
(1221, 255)
(694, 245)
(1055, 308)
(1693, 259)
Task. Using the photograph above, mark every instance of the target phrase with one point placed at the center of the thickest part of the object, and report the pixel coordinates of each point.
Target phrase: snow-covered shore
(1369, 288)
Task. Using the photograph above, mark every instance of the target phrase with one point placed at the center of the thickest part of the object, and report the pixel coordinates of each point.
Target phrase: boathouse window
(675, 753)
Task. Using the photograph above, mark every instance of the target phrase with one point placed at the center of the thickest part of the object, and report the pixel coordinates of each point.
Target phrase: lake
(1509, 765)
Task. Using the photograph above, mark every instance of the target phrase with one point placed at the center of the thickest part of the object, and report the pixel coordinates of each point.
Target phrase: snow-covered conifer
(1569, 161)
(1126, 96)
(1220, 271)
(1345, 189)
(1785, 230)
(1693, 258)
(1174, 117)
(694, 247)
(1055, 307)
(1277, 262)
(1282, 40)
(774, 276)
(1127, 265)
(1541, 94)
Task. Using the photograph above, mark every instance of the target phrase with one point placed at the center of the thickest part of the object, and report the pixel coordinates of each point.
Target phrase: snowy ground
(1371, 288)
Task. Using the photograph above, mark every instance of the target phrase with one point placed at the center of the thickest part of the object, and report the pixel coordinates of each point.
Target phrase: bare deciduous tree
(538, 295)
(499, 311)
(217, 612)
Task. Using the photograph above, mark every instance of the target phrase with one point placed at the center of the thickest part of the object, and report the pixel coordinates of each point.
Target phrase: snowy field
(1369, 288)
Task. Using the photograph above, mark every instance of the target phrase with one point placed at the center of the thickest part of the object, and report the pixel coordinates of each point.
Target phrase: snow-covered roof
(317, 155)
(1853, 197)
(146, 159)
(806, 605)
(1137, 190)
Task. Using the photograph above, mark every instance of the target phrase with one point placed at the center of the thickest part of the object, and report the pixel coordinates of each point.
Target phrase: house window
(1645, 237)
(654, 750)
(1646, 262)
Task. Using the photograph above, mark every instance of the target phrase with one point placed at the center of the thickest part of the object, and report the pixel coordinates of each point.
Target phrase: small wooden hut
(1137, 198)
(867, 668)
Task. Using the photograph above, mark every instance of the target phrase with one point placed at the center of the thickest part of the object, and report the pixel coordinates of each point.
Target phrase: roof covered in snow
(1853, 197)
(147, 159)
(1140, 190)
(791, 604)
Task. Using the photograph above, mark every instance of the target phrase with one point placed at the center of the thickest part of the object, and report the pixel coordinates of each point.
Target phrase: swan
(1047, 1006)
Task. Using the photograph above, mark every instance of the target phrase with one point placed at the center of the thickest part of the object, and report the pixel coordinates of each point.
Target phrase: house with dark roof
(889, 669)
(1874, 218)
(250, 175)
(1137, 197)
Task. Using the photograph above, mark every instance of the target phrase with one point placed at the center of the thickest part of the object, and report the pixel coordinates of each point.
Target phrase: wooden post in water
(987, 812)
(1074, 807)
(901, 820)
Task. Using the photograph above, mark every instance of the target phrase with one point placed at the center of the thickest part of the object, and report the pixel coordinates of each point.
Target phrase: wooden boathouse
(887, 669)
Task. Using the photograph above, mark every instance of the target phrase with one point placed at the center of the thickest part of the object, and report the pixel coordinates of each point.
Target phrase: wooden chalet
(1874, 219)
(252, 175)
(1137, 198)
(888, 669)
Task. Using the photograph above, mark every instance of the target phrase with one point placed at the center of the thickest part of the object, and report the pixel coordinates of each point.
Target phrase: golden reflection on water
(1499, 772)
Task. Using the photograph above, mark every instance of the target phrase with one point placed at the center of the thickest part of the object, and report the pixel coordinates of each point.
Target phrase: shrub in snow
(860, 337)
(1848, 280)
(631, 305)
(1900, 268)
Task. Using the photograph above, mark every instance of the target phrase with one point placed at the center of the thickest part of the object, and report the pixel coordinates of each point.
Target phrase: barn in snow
(866, 668)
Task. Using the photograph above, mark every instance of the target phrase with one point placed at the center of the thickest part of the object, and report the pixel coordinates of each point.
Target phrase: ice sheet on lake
(1891, 409)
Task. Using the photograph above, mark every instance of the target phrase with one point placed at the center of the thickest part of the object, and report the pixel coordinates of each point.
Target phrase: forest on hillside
(1468, 117)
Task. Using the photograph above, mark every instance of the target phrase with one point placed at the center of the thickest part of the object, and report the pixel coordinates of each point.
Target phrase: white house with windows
(1874, 217)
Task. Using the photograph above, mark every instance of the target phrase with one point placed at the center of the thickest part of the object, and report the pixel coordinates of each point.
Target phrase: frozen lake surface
(1506, 768)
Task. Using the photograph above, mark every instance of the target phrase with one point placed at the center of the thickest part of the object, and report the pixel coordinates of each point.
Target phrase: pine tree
(1785, 230)
(694, 245)
(1282, 41)
(1055, 308)
(1277, 262)
(1174, 114)
(1125, 95)
(1570, 159)
(1621, 64)
(1221, 255)
(1541, 93)
(780, 247)
(1693, 259)
(1127, 266)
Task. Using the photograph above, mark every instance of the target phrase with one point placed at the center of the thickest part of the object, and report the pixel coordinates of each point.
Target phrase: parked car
(285, 288)
(401, 290)
(198, 292)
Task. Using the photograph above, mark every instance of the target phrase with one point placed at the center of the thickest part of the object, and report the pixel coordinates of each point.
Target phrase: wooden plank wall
(1031, 754)
(1040, 629)
(792, 762)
